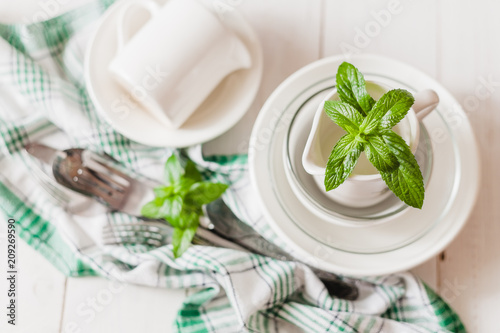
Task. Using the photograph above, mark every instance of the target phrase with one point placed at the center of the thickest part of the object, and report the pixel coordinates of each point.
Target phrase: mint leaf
(171, 208)
(344, 115)
(181, 240)
(351, 88)
(152, 209)
(204, 193)
(163, 191)
(379, 155)
(173, 170)
(388, 111)
(188, 219)
(191, 172)
(342, 161)
(406, 181)
(182, 186)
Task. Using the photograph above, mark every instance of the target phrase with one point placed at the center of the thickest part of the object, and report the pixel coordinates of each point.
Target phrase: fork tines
(150, 233)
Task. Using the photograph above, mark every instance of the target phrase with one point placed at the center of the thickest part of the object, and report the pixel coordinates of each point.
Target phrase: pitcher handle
(425, 102)
(122, 30)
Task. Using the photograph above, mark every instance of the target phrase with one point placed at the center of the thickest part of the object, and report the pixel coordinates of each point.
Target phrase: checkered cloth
(43, 96)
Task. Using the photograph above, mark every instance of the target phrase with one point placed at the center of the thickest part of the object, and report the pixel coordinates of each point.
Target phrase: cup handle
(122, 31)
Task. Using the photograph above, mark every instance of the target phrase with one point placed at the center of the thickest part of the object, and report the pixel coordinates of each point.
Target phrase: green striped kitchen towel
(43, 97)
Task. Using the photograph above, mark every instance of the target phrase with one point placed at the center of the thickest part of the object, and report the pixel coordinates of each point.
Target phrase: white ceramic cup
(364, 187)
(173, 63)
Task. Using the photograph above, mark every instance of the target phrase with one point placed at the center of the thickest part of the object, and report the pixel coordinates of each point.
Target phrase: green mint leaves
(344, 115)
(180, 201)
(369, 124)
(351, 88)
(342, 161)
(406, 180)
(389, 110)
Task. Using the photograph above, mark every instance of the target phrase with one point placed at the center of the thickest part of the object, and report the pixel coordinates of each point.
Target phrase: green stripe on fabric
(371, 324)
(447, 318)
(53, 248)
(189, 316)
(228, 160)
(16, 34)
(296, 319)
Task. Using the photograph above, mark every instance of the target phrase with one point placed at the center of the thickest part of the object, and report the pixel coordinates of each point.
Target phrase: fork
(136, 233)
(155, 233)
(99, 177)
(152, 232)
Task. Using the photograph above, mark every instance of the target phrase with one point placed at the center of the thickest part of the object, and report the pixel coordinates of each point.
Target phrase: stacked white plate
(381, 239)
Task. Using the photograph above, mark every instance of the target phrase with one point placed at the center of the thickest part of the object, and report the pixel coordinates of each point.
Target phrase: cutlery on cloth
(102, 178)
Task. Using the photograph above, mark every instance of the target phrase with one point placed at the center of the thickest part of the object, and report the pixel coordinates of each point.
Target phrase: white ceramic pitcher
(180, 55)
(364, 187)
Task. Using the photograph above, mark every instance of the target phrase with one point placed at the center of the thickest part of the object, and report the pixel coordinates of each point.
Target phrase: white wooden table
(453, 41)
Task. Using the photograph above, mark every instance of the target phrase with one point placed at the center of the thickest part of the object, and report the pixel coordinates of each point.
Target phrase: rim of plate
(342, 262)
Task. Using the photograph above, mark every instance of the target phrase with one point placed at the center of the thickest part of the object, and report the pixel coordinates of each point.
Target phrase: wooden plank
(469, 57)
(403, 30)
(98, 305)
(289, 33)
(428, 272)
(40, 290)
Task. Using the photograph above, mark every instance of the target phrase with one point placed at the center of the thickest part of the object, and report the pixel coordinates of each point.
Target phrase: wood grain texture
(393, 29)
(97, 305)
(40, 291)
(289, 32)
(469, 57)
(404, 30)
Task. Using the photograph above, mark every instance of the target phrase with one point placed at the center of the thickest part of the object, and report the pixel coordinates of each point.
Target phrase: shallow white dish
(225, 106)
(407, 240)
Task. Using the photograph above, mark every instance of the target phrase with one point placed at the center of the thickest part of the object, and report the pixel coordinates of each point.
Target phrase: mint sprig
(369, 124)
(180, 201)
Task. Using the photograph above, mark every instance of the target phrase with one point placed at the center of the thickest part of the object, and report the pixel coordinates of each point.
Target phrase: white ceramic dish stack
(319, 202)
(407, 236)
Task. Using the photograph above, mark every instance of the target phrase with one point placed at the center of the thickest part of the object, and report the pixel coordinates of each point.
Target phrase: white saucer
(219, 112)
(409, 239)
